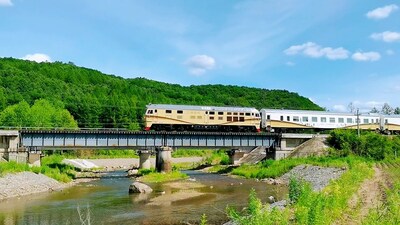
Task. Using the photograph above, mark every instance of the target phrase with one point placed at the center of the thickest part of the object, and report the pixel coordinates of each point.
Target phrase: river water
(107, 201)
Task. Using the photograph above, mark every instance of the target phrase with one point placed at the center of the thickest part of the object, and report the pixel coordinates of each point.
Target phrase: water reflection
(110, 203)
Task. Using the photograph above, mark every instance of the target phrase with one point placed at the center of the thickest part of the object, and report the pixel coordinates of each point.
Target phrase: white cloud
(313, 50)
(340, 108)
(366, 56)
(382, 12)
(387, 36)
(390, 52)
(5, 3)
(289, 63)
(37, 57)
(199, 64)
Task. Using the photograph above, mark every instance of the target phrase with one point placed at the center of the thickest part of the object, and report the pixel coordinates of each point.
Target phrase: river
(108, 202)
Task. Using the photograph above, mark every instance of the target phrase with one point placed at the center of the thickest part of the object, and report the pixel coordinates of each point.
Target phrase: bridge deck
(41, 139)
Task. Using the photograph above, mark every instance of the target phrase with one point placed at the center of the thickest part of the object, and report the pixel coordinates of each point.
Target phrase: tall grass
(308, 207)
(52, 166)
(389, 212)
(154, 177)
(276, 168)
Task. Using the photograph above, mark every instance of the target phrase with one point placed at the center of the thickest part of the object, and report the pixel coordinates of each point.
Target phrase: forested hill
(99, 100)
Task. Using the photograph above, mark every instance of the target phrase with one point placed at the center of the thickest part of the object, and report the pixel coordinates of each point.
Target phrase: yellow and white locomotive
(201, 118)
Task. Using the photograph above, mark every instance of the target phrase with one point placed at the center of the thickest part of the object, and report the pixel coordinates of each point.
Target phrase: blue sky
(333, 51)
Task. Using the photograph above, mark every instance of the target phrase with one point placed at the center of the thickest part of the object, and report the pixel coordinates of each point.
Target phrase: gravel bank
(318, 177)
(25, 183)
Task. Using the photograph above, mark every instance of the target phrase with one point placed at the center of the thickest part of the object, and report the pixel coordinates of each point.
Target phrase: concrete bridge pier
(163, 159)
(144, 159)
(235, 155)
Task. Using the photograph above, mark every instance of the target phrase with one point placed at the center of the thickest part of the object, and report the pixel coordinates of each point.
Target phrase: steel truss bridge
(109, 139)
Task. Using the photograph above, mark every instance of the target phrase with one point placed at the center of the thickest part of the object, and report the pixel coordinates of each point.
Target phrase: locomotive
(160, 117)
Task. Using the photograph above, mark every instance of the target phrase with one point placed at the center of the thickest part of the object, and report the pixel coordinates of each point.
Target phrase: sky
(334, 52)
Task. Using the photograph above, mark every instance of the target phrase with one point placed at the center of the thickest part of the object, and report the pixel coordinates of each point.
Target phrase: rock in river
(137, 187)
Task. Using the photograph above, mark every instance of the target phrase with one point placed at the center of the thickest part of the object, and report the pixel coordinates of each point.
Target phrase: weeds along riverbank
(367, 193)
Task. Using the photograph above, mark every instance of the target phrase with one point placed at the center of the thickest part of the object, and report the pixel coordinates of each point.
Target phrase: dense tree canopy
(41, 115)
(99, 100)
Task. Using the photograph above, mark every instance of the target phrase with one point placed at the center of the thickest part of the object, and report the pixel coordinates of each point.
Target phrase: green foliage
(369, 144)
(308, 207)
(190, 153)
(297, 187)
(51, 167)
(258, 214)
(203, 220)
(95, 99)
(154, 177)
(41, 114)
(216, 157)
(276, 168)
(12, 167)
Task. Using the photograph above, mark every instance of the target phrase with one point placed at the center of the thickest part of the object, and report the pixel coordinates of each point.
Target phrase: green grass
(154, 177)
(276, 168)
(325, 207)
(95, 154)
(389, 212)
(179, 153)
(51, 167)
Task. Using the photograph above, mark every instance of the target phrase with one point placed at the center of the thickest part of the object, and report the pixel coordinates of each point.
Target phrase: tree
(374, 110)
(351, 107)
(397, 110)
(386, 109)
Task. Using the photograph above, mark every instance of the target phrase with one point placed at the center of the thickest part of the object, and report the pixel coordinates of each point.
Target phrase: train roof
(203, 108)
(314, 112)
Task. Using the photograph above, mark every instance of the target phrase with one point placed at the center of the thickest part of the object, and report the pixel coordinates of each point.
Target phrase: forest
(97, 100)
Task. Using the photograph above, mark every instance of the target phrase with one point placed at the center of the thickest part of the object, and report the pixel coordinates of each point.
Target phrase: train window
(179, 111)
(220, 113)
(241, 119)
(349, 120)
(168, 111)
(268, 117)
(235, 119)
(314, 119)
(155, 111)
(220, 118)
(386, 121)
(305, 119)
(296, 119)
(211, 118)
(281, 118)
(212, 113)
(341, 120)
(235, 114)
(150, 111)
(323, 119)
(332, 120)
(229, 113)
(206, 112)
(229, 118)
(287, 118)
(252, 114)
(257, 115)
(242, 114)
(365, 120)
(247, 114)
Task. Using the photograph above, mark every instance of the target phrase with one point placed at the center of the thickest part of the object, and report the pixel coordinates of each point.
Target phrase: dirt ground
(370, 195)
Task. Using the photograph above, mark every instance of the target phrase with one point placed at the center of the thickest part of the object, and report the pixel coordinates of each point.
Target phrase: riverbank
(26, 183)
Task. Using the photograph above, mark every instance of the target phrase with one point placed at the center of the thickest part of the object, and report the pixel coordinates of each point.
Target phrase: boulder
(132, 172)
(137, 187)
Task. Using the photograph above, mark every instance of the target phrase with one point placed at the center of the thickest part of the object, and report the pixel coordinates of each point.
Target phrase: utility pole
(358, 123)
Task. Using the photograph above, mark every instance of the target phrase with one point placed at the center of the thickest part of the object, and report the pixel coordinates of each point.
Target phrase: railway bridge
(27, 144)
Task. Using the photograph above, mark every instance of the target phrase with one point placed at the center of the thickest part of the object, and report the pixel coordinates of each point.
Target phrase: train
(167, 117)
